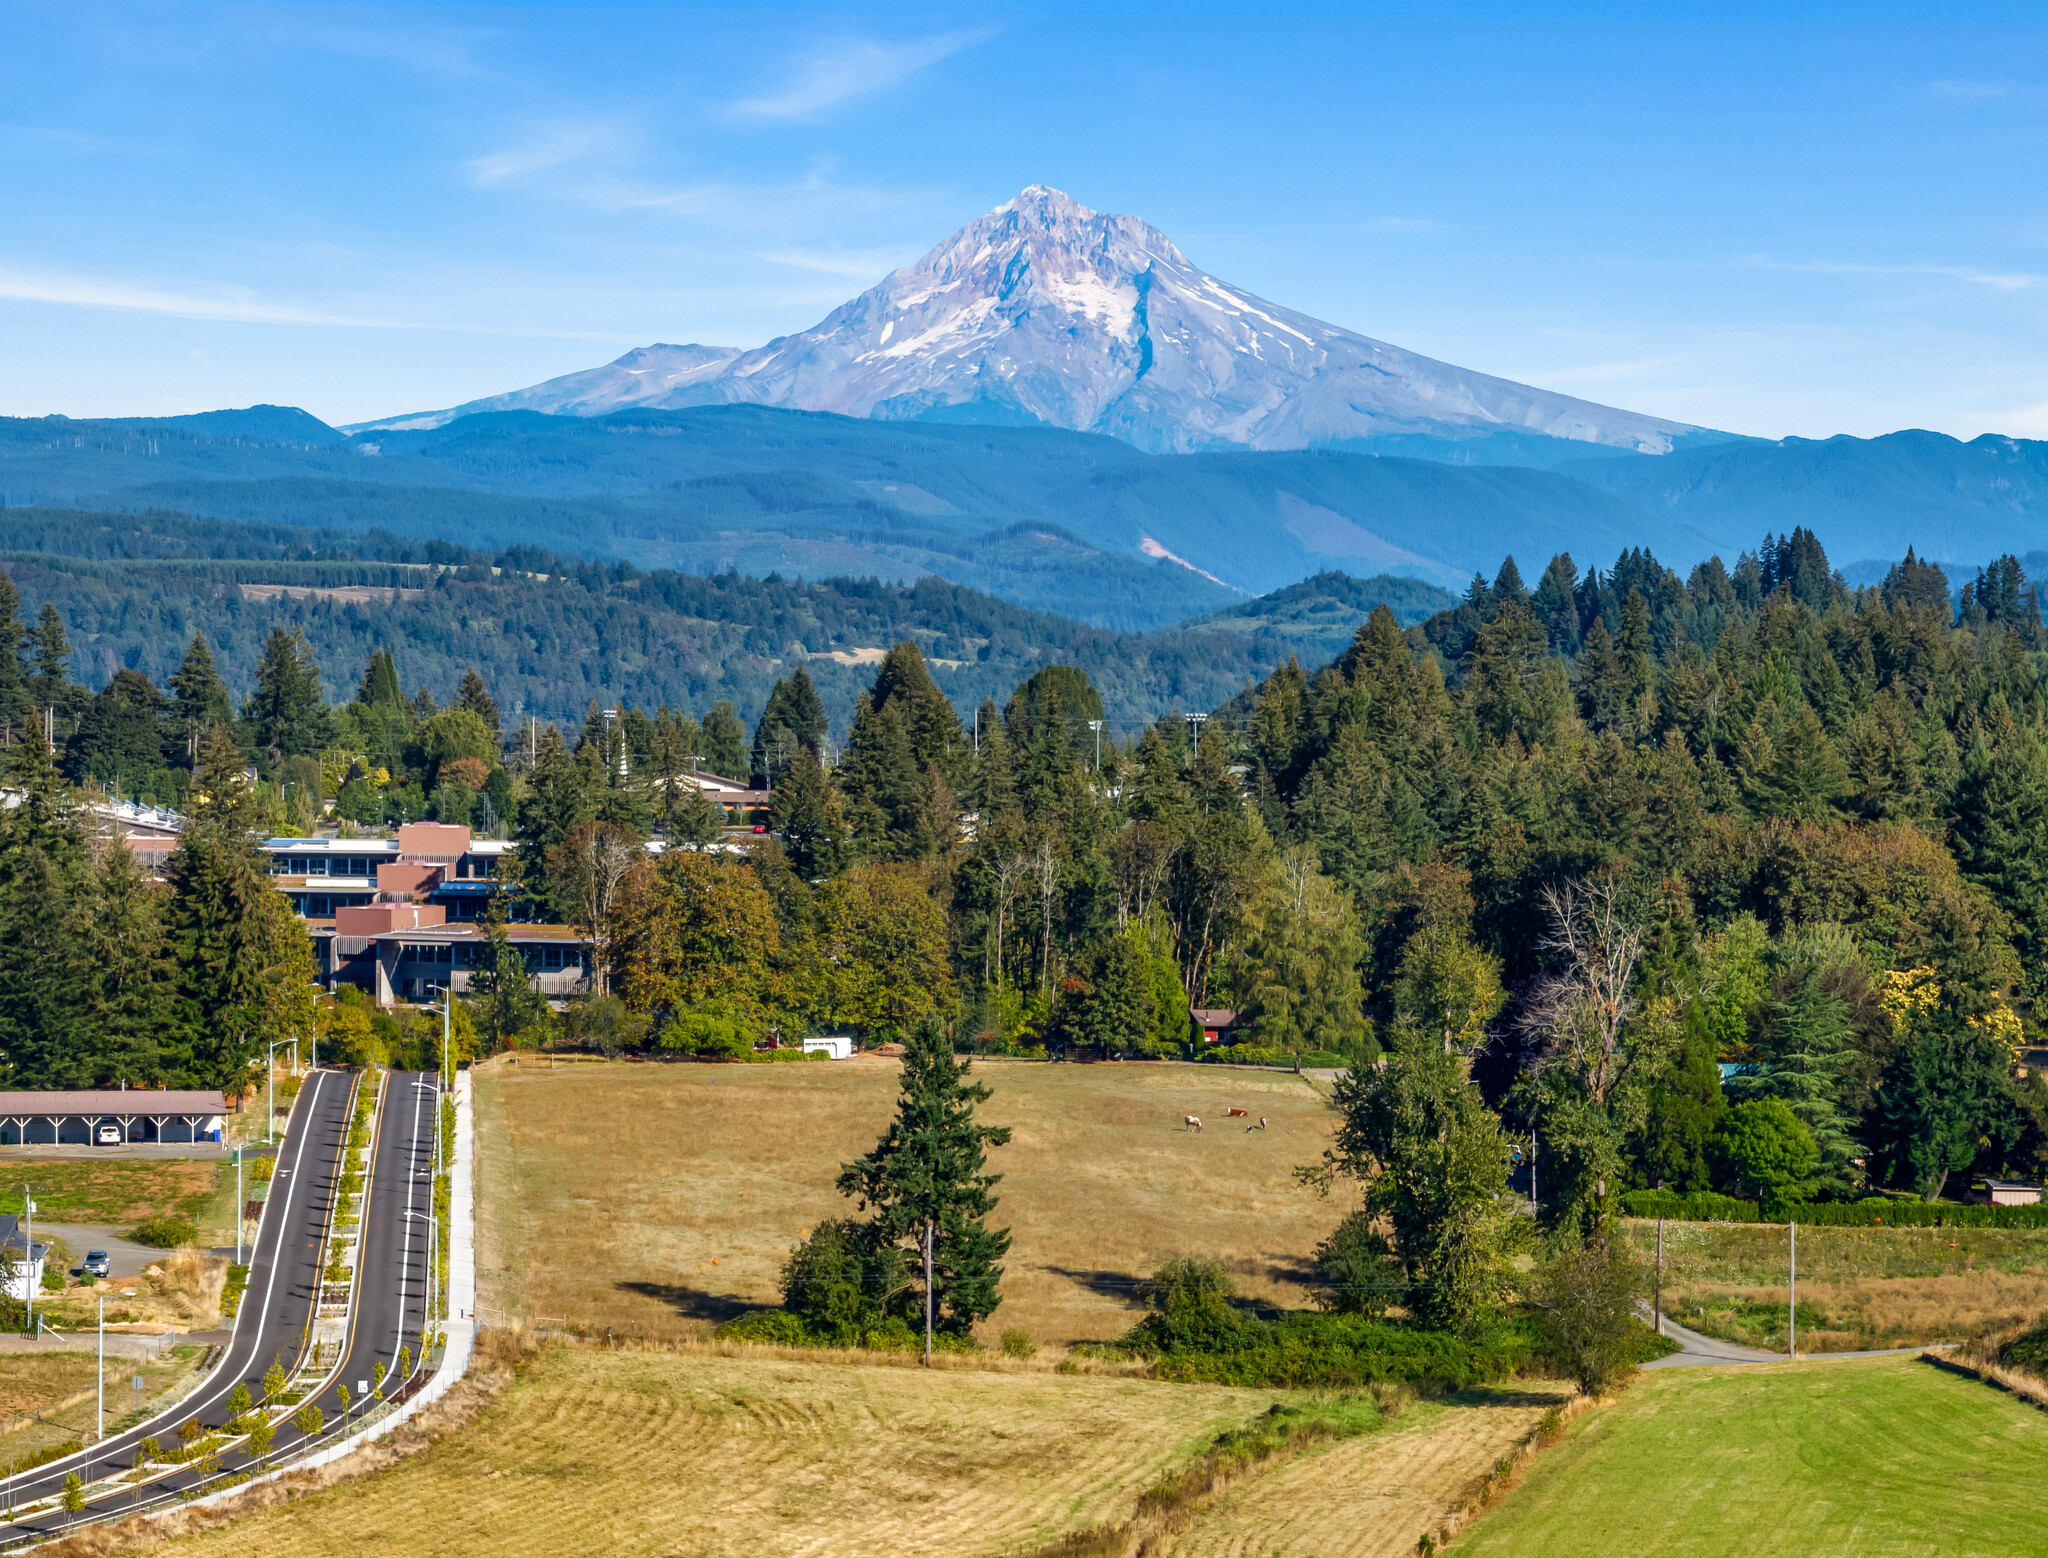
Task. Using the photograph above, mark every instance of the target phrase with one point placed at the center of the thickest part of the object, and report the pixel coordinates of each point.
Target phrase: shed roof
(108, 1101)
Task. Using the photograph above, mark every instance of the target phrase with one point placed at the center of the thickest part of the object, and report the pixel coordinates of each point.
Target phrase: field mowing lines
(1364, 1498)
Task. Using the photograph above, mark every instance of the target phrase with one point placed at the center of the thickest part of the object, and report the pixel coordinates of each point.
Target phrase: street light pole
(28, 1212)
(100, 1428)
(1096, 726)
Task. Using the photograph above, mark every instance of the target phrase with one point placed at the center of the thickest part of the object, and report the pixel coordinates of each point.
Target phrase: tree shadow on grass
(1119, 1285)
(695, 1303)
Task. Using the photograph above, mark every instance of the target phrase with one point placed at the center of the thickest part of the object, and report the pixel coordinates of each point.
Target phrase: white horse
(1191, 1122)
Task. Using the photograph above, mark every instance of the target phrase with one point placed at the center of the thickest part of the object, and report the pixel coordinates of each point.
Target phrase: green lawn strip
(115, 1192)
(1860, 1459)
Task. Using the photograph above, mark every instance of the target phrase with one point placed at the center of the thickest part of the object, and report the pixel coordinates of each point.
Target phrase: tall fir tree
(49, 660)
(15, 704)
(242, 956)
(724, 743)
(927, 1177)
(905, 684)
(201, 702)
(474, 696)
(286, 713)
(45, 908)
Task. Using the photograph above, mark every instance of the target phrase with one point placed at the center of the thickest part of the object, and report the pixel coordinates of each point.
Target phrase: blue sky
(1772, 221)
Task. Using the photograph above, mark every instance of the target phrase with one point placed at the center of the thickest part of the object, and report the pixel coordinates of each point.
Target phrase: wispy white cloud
(241, 308)
(856, 264)
(76, 142)
(1997, 281)
(234, 307)
(1401, 224)
(432, 51)
(552, 147)
(849, 69)
(1969, 91)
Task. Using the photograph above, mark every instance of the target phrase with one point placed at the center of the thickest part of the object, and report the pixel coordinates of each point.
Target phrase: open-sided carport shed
(143, 1114)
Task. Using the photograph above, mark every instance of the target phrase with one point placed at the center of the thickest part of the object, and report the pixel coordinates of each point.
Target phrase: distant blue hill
(1074, 523)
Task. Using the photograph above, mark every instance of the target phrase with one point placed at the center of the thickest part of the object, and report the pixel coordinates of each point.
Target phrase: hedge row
(1870, 1212)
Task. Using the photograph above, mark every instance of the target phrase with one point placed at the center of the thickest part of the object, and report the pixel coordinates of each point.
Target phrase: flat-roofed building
(138, 1113)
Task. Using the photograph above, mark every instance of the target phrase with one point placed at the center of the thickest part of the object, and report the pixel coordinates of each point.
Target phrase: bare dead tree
(1140, 857)
(1045, 875)
(1578, 1012)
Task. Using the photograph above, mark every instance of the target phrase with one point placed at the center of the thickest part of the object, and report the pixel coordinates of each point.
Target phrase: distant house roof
(1214, 1016)
(12, 1238)
(110, 1101)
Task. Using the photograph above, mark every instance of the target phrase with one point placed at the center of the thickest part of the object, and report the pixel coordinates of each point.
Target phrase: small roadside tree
(925, 1183)
(1585, 1296)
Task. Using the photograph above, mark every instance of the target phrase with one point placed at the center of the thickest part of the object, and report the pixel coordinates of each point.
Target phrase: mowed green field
(1862, 1459)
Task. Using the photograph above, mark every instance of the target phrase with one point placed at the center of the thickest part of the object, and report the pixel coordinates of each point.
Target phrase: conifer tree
(793, 717)
(905, 684)
(49, 661)
(992, 790)
(926, 1178)
(15, 704)
(1678, 1125)
(287, 714)
(558, 802)
(2000, 835)
(242, 956)
(474, 696)
(201, 702)
(45, 905)
(878, 778)
(724, 745)
(805, 816)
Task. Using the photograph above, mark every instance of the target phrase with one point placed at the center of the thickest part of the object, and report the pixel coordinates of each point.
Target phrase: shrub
(74, 1494)
(1018, 1344)
(165, 1233)
(1206, 1340)
(1356, 1273)
(260, 1435)
(1585, 1299)
(1185, 1277)
(708, 1036)
(1700, 1206)
(1763, 1147)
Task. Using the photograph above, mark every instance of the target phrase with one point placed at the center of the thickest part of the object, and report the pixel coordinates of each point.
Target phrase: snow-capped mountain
(1045, 311)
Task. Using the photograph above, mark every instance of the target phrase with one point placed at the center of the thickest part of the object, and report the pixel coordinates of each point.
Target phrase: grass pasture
(1875, 1458)
(656, 1198)
(113, 1192)
(1859, 1288)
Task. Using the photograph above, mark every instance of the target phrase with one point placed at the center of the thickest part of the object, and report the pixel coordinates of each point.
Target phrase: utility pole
(28, 1212)
(238, 1206)
(927, 1292)
(1532, 1171)
(1657, 1307)
(1792, 1297)
(1096, 726)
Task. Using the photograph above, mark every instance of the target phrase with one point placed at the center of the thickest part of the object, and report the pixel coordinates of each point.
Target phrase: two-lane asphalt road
(284, 1286)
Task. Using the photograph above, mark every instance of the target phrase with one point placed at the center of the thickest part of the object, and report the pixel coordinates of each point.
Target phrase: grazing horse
(1259, 1127)
(1191, 1122)
(1238, 1114)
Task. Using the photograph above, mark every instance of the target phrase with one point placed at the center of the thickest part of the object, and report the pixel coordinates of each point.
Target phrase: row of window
(466, 869)
(538, 959)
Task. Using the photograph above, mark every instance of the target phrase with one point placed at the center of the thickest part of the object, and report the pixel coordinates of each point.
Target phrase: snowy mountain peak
(1046, 311)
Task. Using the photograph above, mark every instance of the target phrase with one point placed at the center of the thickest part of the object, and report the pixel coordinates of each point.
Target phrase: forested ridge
(1602, 837)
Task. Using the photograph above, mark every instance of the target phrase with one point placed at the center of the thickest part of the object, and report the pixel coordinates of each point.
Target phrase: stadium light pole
(1096, 726)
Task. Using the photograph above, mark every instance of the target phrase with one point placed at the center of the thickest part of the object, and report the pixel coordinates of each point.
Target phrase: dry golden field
(624, 1453)
(660, 1198)
(1371, 1497)
(1859, 1288)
